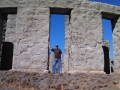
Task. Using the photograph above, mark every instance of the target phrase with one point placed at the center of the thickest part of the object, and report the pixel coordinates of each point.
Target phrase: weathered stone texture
(106, 43)
(85, 48)
(67, 43)
(117, 10)
(32, 31)
(13, 3)
(116, 43)
(94, 41)
(83, 4)
(77, 28)
(10, 35)
(93, 6)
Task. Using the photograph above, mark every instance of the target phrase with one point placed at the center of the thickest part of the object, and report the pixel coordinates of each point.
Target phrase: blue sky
(57, 28)
(57, 31)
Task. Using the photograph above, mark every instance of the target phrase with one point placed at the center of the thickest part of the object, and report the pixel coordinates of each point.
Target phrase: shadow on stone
(106, 60)
(7, 56)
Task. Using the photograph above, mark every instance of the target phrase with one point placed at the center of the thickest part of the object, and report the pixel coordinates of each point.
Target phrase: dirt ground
(16, 80)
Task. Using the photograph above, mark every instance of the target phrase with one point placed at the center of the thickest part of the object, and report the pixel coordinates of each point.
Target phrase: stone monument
(28, 27)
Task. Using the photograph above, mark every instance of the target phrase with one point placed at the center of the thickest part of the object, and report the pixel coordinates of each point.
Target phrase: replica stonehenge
(26, 24)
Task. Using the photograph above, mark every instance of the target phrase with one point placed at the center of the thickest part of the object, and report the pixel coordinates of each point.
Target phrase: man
(57, 58)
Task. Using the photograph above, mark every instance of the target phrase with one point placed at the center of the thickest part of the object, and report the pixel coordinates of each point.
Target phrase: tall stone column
(94, 41)
(32, 32)
(116, 43)
(67, 44)
(86, 51)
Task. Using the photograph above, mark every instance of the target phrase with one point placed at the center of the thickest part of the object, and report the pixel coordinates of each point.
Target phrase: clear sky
(57, 28)
(57, 31)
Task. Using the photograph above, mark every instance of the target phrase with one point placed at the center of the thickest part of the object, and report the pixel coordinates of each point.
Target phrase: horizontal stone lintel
(89, 5)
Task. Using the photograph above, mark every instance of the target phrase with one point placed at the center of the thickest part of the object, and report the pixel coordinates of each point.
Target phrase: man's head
(56, 45)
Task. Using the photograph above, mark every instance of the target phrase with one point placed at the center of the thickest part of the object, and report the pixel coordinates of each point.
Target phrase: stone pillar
(116, 43)
(94, 41)
(32, 32)
(86, 51)
(77, 59)
(67, 44)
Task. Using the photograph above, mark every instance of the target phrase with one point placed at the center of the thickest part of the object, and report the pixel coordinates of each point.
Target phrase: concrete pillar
(32, 32)
(86, 51)
(116, 43)
(67, 44)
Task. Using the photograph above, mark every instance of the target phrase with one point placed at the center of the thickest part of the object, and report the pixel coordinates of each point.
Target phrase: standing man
(57, 58)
